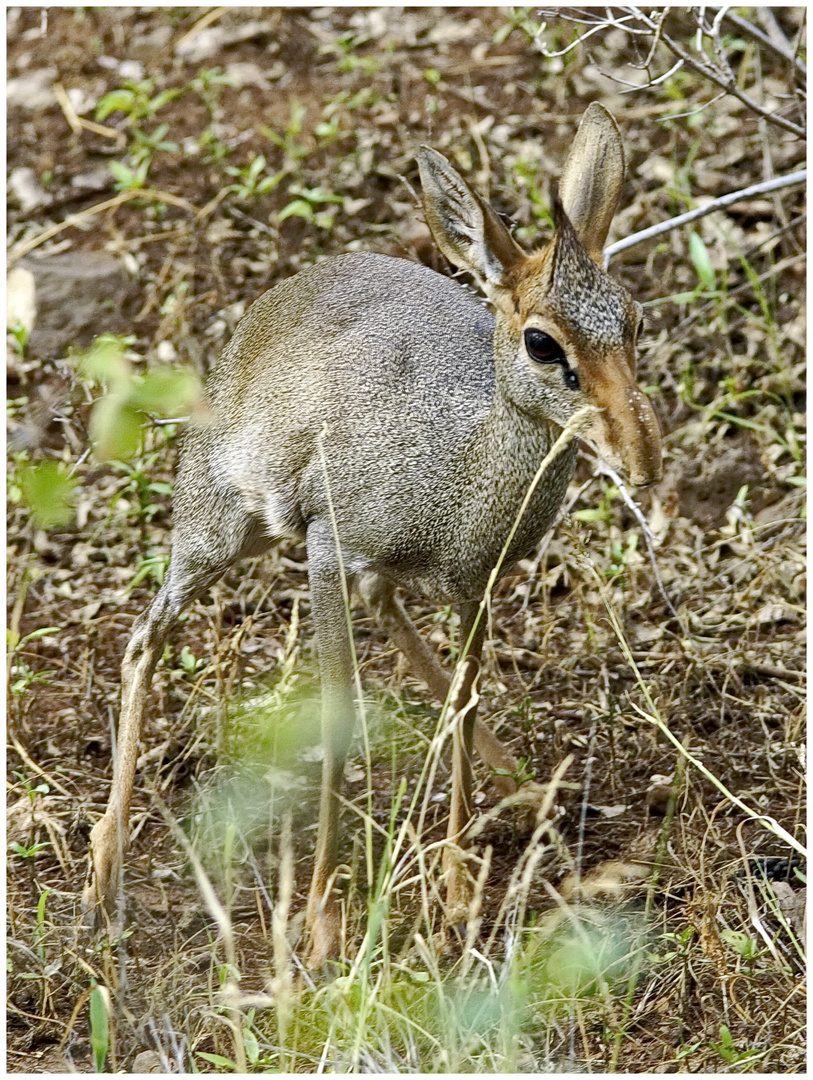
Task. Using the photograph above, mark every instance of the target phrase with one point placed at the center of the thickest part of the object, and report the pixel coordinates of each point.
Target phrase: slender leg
(379, 595)
(109, 838)
(338, 715)
(464, 706)
(205, 545)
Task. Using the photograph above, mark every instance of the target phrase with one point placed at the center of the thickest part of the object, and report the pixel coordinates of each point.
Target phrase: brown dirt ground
(723, 658)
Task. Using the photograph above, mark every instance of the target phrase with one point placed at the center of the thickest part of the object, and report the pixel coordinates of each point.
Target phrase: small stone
(34, 90)
(23, 185)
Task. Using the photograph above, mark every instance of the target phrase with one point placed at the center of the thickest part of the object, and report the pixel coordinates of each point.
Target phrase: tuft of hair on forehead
(561, 278)
(559, 266)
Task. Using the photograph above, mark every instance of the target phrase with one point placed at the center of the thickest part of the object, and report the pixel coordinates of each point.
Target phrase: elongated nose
(639, 441)
(628, 431)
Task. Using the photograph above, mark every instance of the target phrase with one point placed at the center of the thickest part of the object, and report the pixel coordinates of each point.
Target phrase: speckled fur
(426, 465)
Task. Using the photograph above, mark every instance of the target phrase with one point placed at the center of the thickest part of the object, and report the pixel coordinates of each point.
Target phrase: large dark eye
(543, 348)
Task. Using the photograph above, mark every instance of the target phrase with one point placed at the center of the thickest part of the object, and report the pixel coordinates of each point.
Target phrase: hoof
(325, 930)
(102, 887)
(91, 907)
(459, 893)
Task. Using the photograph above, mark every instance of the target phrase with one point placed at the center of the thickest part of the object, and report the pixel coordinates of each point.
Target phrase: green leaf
(297, 208)
(216, 1059)
(268, 183)
(41, 632)
(165, 391)
(115, 428)
(41, 902)
(154, 566)
(26, 852)
(160, 100)
(122, 174)
(741, 943)
(702, 263)
(99, 1028)
(105, 361)
(121, 100)
(256, 167)
(272, 136)
(189, 661)
(47, 491)
(684, 298)
(503, 33)
(315, 194)
(251, 1045)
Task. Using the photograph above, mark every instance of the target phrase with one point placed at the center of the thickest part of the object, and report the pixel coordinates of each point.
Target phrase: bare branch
(719, 71)
(782, 51)
(595, 25)
(730, 87)
(775, 184)
(604, 469)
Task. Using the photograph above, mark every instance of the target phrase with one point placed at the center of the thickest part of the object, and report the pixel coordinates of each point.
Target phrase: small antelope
(373, 408)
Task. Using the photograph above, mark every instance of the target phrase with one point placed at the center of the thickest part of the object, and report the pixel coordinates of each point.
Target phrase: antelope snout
(628, 435)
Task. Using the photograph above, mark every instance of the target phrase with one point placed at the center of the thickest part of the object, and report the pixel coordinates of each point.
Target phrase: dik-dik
(374, 409)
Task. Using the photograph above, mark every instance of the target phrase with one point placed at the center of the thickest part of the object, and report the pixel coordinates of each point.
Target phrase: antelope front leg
(336, 670)
(379, 596)
(458, 879)
(324, 911)
(109, 837)
(464, 706)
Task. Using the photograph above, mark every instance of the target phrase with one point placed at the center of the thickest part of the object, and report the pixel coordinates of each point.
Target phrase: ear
(590, 185)
(464, 226)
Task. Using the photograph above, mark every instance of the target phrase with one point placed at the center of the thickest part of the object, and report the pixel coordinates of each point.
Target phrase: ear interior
(590, 185)
(465, 227)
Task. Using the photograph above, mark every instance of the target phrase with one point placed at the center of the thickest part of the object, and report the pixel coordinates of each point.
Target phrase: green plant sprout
(142, 486)
(307, 205)
(518, 19)
(153, 566)
(139, 102)
(118, 417)
(21, 675)
(27, 851)
(289, 141)
(251, 180)
(19, 335)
